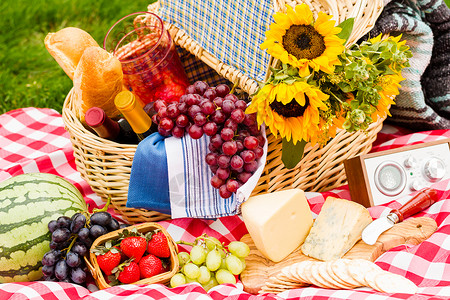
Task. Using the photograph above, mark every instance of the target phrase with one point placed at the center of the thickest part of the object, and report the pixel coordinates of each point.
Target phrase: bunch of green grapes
(210, 262)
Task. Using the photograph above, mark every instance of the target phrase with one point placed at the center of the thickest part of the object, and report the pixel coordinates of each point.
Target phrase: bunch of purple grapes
(71, 240)
(235, 140)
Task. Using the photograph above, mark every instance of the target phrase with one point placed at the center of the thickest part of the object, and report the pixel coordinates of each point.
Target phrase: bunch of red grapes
(235, 142)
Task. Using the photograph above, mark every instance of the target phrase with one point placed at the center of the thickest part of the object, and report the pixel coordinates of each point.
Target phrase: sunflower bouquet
(319, 85)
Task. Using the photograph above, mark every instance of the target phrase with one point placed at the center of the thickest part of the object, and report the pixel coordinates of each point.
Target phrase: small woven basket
(106, 165)
(163, 278)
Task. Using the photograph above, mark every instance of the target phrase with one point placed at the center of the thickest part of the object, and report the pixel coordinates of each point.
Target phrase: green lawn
(29, 76)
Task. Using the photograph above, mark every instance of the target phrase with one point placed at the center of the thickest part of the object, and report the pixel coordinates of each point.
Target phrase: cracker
(357, 268)
(309, 273)
(340, 269)
(323, 271)
(307, 276)
(282, 281)
(330, 272)
(293, 272)
(287, 273)
(369, 279)
(300, 271)
(317, 279)
(393, 283)
(283, 285)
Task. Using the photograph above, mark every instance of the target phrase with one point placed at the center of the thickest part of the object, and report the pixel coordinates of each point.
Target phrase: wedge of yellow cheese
(278, 222)
(336, 229)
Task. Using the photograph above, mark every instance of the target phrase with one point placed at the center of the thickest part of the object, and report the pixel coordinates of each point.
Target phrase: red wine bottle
(107, 128)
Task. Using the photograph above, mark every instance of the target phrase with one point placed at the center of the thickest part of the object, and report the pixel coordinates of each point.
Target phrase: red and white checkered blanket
(34, 140)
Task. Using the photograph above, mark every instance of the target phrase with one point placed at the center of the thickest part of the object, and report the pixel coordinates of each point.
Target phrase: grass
(29, 76)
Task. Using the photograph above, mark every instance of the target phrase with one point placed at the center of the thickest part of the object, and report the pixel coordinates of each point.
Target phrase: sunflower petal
(305, 14)
(282, 20)
(314, 113)
(267, 44)
(303, 70)
(295, 19)
(323, 18)
(297, 129)
(277, 31)
(282, 94)
(300, 98)
(324, 25)
(306, 118)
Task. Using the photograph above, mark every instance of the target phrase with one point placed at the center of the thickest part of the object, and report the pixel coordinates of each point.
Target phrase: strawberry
(149, 266)
(134, 246)
(123, 257)
(158, 245)
(108, 261)
(129, 272)
(165, 266)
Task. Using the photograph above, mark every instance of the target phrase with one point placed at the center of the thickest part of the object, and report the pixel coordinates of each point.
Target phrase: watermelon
(27, 203)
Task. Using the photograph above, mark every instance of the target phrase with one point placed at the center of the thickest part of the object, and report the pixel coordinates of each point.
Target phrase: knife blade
(423, 199)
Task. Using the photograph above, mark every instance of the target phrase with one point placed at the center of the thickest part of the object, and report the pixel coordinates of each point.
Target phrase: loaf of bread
(97, 80)
(67, 46)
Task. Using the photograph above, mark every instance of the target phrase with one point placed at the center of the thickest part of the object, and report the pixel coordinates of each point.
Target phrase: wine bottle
(107, 128)
(134, 113)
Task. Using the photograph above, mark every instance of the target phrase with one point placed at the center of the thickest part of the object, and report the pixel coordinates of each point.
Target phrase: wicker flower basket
(106, 165)
(163, 278)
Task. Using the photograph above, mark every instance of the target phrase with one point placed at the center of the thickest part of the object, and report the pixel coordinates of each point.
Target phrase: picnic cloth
(424, 99)
(34, 140)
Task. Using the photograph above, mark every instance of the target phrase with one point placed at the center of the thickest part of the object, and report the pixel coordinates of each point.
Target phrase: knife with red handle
(423, 199)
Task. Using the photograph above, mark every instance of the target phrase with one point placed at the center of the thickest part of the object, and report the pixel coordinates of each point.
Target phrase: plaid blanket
(424, 100)
(34, 140)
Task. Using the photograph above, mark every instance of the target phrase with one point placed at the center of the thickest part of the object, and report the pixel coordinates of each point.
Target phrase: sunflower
(290, 110)
(390, 85)
(298, 40)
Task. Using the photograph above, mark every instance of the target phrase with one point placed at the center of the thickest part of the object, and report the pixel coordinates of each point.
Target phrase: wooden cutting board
(258, 268)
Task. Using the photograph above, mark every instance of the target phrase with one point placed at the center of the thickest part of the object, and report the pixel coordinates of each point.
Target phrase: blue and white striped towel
(180, 183)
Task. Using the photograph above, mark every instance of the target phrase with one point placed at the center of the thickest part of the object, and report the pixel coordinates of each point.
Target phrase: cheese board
(259, 269)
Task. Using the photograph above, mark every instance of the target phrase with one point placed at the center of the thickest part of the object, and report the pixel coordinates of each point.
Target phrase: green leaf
(281, 76)
(347, 27)
(290, 81)
(291, 154)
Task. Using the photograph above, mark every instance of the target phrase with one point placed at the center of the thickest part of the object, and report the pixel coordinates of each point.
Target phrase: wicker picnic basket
(162, 278)
(106, 165)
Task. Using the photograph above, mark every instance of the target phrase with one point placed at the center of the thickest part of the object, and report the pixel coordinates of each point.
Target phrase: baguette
(97, 80)
(67, 46)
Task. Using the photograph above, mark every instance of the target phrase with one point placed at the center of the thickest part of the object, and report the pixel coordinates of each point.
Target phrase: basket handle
(91, 268)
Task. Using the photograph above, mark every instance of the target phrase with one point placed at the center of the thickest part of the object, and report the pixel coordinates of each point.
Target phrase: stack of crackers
(338, 274)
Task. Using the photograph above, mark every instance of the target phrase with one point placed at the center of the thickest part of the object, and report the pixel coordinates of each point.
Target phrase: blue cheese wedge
(278, 222)
(336, 229)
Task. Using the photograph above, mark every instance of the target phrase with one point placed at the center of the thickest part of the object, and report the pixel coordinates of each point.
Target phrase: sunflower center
(291, 109)
(303, 42)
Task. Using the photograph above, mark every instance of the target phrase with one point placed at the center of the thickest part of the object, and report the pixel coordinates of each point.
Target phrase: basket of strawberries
(141, 254)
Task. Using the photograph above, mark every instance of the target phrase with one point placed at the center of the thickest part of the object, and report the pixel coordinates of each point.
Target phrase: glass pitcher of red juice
(151, 67)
